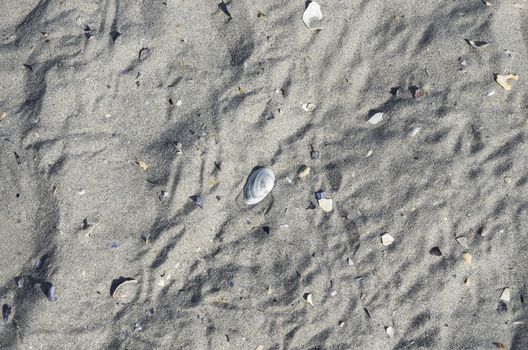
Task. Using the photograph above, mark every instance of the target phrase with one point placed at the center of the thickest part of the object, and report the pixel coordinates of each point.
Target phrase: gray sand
(83, 106)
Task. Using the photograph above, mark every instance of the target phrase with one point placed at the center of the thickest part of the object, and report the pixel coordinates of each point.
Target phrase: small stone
(3, 115)
(320, 195)
(376, 118)
(417, 92)
(502, 306)
(179, 103)
(303, 171)
(163, 195)
(314, 154)
(435, 251)
(326, 204)
(500, 346)
(341, 323)
(390, 332)
(467, 258)
(308, 107)
(138, 327)
(462, 240)
(350, 262)
(387, 239)
(505, 295)
(467, 282)
(6, 311)
(142, 165)
(308, 298)
(197, 200)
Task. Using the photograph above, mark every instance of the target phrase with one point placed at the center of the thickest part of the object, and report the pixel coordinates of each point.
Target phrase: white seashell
(312, 15)
(259, 183)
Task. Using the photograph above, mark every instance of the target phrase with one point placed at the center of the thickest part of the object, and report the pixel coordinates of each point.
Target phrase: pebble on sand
(6, 311)
(376, 118)
(467, 258)
(303, 171)
(435, 251)
(387, 239)
(142, 165)
(308, 298)
(312, 16)
(500, 346)
(325, 203)
(308, 107)
(390, 332)
(505, 295)
(462, 240)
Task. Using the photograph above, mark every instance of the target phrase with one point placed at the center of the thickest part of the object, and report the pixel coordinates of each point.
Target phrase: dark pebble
(6, 311)
(435, 251)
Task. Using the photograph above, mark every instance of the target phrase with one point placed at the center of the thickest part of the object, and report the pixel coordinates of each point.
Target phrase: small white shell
(259, 183)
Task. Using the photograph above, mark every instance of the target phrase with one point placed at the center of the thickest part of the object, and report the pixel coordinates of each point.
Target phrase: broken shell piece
(308, 298)
(260, 347)
(312, 16)
(387, 239)
(142, 165)
(376, 118)
(308, 107)
(462, 241)
(326, 204)
(3, 115)
(505, 295)
(502, 80)
(121, 288)
(500, 346)
(467, 281)
(259, 183)
(467, 258)
(390, 332)
(303, 171)
(477, 43)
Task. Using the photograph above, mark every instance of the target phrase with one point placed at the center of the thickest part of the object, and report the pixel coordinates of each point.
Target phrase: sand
(116, 112)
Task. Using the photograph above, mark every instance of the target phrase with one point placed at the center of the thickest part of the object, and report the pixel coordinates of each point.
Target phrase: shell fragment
(503, 80)
(376, 118)
(505, 295)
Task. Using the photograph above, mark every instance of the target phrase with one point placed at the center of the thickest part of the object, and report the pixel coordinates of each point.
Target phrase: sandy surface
(91, 89)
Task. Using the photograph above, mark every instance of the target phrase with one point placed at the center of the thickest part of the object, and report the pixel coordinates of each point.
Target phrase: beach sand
(116, 112)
